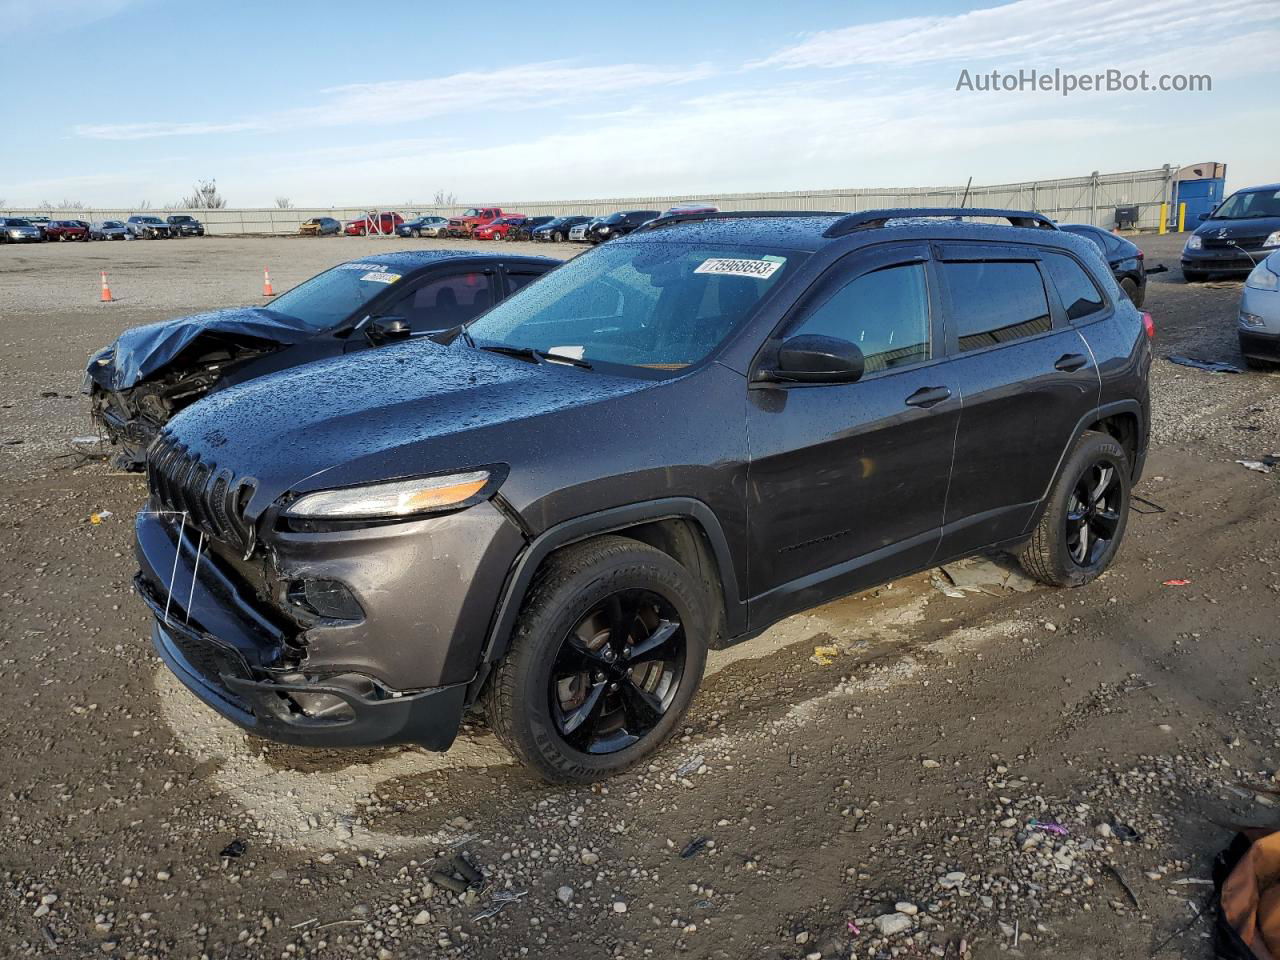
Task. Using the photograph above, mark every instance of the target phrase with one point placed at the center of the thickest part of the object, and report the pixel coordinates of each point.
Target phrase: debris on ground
(694, 848)
(1262, 465)
(498, 901)
(97, 518)
(981, 575)
(824, 655)
(1176, 582)
(1211, 366)
(692, 765)
(235, 848)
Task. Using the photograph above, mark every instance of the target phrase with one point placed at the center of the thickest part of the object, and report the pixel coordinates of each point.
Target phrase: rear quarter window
(1079, 295)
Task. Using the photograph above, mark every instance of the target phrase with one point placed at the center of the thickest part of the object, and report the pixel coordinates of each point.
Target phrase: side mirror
(389, 328)
(1202, 217)
(810, 358)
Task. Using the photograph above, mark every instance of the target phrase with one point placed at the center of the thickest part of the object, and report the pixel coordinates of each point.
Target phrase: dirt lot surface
(1026, 772)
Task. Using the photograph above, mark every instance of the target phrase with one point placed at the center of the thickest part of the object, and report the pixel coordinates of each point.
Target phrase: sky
(335, 104)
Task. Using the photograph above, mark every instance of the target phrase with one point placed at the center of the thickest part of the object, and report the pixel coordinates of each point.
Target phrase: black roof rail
(878, 218)
(661, 221)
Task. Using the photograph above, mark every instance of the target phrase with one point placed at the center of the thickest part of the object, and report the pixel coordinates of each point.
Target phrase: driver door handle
(928, 396)
(1071, 361)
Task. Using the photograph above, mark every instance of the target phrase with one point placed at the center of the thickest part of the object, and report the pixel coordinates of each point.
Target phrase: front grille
(213, 500)
(1230, 243)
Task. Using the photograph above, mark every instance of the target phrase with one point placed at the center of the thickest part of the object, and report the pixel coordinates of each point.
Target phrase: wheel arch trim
(1129, 406)
(613, 520)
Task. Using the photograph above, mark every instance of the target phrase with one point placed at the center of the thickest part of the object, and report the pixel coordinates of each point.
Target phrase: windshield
(18, 222)
(1248, 205)
(659, 305)
(180, 219)
(333, 296)
(113, 223)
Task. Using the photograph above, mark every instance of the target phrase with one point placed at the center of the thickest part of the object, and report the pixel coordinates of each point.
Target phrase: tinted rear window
(1080, 295)
(996, 302)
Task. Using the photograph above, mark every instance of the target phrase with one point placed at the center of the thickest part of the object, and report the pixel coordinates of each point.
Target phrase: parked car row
(494, 223)
(995, 376)
(137, 227)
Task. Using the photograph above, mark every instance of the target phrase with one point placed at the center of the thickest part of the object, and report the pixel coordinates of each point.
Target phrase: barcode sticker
(759, 269)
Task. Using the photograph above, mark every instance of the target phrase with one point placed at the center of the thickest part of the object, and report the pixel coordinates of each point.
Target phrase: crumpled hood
(403, 410)
(142, 351)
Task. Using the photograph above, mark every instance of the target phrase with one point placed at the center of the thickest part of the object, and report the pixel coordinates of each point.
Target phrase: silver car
(580, 231)
(108, 230)
(1260, 314)
(19, 230)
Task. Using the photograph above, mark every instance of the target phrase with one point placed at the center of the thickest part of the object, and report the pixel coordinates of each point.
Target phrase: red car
(498, 229)
(472, 219)
(66, 230)
(384, 223)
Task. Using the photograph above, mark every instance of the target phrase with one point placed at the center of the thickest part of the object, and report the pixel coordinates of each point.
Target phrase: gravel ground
(901, 773)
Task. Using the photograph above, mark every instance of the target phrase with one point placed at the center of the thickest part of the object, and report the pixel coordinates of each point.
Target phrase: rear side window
(1080, 296)
(885, 312)
(996, 302)
(517, 280)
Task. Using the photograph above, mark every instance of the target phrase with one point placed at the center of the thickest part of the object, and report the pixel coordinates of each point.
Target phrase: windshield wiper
(536, 356)
(520, 353)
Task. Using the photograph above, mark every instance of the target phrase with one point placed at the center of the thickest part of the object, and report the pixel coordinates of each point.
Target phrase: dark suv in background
(618, 224)
(551, 513)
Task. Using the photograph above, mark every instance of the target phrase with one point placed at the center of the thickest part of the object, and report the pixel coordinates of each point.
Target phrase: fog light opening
(329, 599)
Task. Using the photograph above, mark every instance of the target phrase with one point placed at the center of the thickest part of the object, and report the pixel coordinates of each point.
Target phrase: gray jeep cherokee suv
(666, 445)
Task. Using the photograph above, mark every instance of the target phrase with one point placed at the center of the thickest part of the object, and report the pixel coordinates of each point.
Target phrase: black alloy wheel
(617, 672)
(1093, 516)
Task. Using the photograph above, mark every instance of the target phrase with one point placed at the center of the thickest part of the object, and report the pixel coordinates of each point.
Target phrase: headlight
(1273, 240)
(603, 229)
(1194, 242)
(1263, 279)
(399, 498)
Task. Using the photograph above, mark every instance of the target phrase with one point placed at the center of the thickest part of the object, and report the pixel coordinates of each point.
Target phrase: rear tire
(1084, 521)
(1132, 291)
(573, 699)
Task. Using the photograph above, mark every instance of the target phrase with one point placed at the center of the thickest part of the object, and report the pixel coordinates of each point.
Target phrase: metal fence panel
(1087, 199)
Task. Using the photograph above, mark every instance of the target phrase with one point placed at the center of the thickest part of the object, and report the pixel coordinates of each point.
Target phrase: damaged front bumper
(398, 670)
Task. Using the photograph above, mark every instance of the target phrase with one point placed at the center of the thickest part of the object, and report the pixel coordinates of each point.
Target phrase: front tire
(605, 658)
(1082, 526)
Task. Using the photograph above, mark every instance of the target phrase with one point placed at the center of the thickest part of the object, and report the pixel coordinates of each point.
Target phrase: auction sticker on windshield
(379, 277)
(760, 269)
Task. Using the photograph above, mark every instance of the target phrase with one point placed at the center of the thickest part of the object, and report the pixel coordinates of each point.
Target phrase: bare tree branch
(204, 196)
(284, 203)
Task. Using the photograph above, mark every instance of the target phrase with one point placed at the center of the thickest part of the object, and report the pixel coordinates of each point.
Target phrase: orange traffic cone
(266, 283)
(106, 290)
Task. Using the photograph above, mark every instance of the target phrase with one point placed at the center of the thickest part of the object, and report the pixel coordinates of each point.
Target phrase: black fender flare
(1098, 413)
(520, 576)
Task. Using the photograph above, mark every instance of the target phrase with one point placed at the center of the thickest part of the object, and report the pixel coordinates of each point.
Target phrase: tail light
(1148, 325)
(1141, 255)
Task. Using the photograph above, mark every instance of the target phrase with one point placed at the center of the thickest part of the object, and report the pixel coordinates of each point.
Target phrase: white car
(1259, 325)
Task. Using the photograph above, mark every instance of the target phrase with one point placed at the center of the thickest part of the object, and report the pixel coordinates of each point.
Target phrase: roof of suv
(814, 230)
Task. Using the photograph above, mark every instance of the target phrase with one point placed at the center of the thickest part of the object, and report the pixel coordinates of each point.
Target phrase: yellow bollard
(1164, 218)
(1182, 217)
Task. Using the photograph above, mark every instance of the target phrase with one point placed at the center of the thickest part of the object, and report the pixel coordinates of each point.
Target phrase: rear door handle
(1071, 361)
(928, 396)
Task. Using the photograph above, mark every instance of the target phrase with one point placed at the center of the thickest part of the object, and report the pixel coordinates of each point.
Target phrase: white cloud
(540, 84)
(1056, 30)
